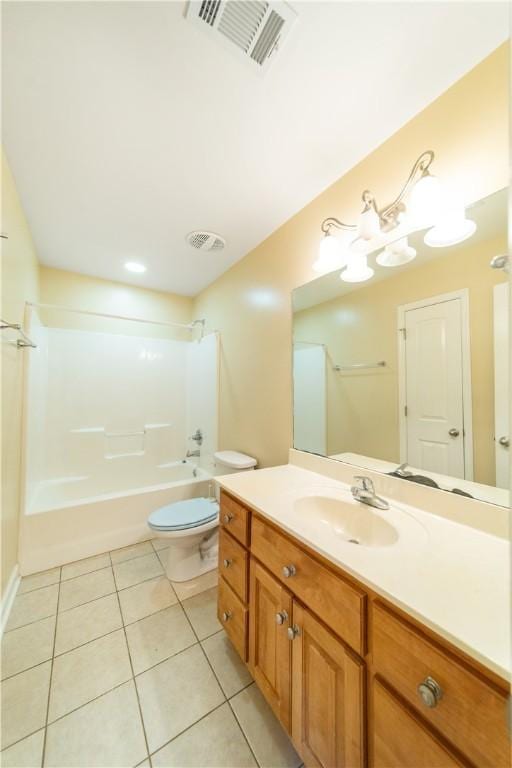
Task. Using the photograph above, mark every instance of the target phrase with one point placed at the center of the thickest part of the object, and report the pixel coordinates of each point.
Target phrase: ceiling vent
(205, 241)
(255, 28)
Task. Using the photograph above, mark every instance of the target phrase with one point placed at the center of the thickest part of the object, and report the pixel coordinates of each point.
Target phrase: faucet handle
(366, 483)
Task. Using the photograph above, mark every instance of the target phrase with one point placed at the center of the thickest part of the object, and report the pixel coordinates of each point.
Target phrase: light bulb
(452, 227)
(357, 270)
(425, 201)
(330, 255)
(368, 224)
(396, 254)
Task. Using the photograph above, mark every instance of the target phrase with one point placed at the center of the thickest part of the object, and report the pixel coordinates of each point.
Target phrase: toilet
(191, 526)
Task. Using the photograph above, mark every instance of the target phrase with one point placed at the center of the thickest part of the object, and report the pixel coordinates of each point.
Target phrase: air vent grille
(252, 28)
(241, 20)
(268, 38)
(205, 241)
(208, 11)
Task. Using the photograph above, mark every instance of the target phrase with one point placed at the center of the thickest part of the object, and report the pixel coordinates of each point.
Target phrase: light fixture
(357, 270)
(330, 254)
(368, 225)
(418, 205)
(425, 201)
(373, 221)
(452, 227)
(134, 266)
(396, 254)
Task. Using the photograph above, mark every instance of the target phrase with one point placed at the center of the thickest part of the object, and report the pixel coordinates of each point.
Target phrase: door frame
(467, 402)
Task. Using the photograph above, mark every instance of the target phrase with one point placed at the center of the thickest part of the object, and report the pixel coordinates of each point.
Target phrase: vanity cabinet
(400, 740)
(328, 682)
(270, 650)
(354, 680)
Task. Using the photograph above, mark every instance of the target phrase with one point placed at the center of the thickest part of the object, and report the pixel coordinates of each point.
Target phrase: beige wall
(467, 127)
(69, 289)
(362, 325)
(19, 284)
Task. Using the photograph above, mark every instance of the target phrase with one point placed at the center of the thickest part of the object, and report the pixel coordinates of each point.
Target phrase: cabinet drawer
(337, 603)
(232, 614)
(233, 564)
(400, 740)
(234, 518)
(471, 712)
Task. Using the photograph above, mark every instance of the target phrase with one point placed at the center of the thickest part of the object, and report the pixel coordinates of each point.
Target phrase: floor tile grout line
(133, 672)
(99, 637)
(220, 685)
(13, 744)
(203, 717)
(86, 703)
(43, 754)
(240, 724)
(226, 700)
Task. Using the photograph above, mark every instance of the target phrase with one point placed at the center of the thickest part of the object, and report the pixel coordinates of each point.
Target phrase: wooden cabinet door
(327, 696)
(400, 740)
(269, 645)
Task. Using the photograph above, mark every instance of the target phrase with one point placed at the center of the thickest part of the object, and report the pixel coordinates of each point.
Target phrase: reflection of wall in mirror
(362, 326)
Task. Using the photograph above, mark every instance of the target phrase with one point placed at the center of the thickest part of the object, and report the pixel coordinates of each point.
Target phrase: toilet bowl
(191, 526)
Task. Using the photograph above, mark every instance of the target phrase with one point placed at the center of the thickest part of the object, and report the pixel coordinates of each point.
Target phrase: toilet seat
(184, 515)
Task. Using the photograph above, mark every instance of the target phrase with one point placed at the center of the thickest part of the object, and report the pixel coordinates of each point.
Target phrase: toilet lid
(183, 514)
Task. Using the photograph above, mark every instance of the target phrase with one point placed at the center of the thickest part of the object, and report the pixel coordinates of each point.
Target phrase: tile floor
(107, 663)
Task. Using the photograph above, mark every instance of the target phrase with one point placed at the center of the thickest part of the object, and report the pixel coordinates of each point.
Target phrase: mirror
(411, 366)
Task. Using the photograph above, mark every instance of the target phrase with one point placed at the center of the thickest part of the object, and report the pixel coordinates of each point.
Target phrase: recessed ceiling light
(134, 266)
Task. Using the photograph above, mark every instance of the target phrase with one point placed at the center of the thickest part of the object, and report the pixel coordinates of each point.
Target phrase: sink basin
(349, 521)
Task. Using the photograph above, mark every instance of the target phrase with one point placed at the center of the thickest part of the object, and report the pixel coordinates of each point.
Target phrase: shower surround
(108, 420)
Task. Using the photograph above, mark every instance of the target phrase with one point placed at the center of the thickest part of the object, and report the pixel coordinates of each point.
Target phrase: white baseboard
(8, 597)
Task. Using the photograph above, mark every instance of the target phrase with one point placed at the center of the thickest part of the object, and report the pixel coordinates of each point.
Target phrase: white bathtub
(67, 519)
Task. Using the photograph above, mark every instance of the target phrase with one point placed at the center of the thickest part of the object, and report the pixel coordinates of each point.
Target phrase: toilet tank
(227, 462)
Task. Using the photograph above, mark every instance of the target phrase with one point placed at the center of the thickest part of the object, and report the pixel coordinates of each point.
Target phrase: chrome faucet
(197, 437)
(365, 493)
(190, 454)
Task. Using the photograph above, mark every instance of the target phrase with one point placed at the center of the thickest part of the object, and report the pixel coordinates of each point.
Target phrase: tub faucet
(196, 453)
(365, 493)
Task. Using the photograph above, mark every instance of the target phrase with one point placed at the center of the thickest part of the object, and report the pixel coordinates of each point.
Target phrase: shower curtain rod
(188, 326)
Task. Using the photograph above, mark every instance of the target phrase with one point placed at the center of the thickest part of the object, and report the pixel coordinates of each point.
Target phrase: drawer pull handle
(289, 570)
(281, 617)
(227, 519)
(226, 563)
(226, 615)
(293, 632)
(430, 692)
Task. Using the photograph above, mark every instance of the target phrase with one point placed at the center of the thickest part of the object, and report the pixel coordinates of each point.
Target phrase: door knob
(281, 617)
(430, 691)
(504, 441)
(453, 432)
(293, 632)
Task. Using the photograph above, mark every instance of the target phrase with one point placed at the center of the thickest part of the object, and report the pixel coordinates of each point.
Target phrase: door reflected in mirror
(407, 373)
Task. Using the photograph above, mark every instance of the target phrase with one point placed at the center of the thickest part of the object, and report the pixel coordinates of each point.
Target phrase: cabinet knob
(289, 570)
(226, 615)
(226, 562)
(227, 519)
(293, 632)
(430, 692)
(281, 617)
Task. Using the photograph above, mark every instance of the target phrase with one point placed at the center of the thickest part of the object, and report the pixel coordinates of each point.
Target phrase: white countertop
(452, 577)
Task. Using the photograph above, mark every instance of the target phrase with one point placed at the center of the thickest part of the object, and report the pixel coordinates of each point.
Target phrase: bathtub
(70, 518)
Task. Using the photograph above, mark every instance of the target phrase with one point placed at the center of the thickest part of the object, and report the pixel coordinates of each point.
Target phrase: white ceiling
(126, 127)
